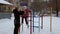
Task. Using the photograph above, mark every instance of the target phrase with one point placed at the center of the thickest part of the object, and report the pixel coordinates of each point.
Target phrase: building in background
(8, 8)
(5, 10)
(5, 6)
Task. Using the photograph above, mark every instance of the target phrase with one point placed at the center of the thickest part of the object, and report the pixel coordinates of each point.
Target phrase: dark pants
(25, 20)
(17, 25)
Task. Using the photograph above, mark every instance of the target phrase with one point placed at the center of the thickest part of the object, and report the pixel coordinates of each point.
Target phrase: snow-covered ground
(7, 26)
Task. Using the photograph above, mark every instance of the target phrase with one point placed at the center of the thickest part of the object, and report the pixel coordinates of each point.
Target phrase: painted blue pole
(39, 23)
(33, 20)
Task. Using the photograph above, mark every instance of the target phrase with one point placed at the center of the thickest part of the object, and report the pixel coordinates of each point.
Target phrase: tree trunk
(56, 8)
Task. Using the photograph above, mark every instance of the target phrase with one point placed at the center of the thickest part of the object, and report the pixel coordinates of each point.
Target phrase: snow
(5, 2)
(7, 26)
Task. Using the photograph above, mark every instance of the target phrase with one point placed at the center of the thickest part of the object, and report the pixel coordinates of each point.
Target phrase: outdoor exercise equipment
(33, 21)
(36, 22)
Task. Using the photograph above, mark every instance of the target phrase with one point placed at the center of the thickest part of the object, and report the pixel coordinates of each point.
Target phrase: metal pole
(33, 18)
(50, 19)
(31, 24)
(50, 16)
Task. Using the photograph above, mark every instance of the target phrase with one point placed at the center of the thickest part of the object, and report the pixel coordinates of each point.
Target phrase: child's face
(24, 7)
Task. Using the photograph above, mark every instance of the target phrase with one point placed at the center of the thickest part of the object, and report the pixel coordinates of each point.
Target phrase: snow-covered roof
(5, 2)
